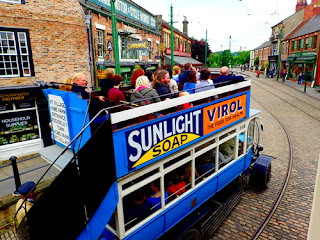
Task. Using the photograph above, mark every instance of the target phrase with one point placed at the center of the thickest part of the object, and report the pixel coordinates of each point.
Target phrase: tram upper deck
(139, 141)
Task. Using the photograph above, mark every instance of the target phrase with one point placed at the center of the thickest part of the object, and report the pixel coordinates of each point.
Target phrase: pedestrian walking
(300, 77)
(284, 74)
(258, 73)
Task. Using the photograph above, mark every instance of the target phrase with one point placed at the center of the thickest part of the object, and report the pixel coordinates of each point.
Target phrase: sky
(248, 22)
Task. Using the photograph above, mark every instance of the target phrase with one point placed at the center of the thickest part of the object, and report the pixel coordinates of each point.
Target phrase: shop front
(302, 62)
(138, 37)
(180, 59)
(24, 121)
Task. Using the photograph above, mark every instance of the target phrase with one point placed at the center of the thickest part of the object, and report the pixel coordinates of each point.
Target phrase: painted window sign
(138, 45)
(128, 10)
(162, 136)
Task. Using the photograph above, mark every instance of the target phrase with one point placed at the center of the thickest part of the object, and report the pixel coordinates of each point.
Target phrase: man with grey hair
(226, 79)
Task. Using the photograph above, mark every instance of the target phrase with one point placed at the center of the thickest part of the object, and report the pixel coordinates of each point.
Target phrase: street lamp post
(115, 38)
(172, 44)
(205, 53)
(279, 55)
(87, 19)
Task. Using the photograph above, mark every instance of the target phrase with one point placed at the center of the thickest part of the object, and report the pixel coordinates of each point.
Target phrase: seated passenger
(144, 93)
(161, 85)
(149, 75)
(204, 83)
(226, 79)
(136, 73)
(190, 85)
(177, 187)
(107, 83)
(175, 73)
(139, 211)
(173, 86)
(155, 198)
(185, 105)
(228, 149)
(114, 93)
(67, 86)
(205, 164)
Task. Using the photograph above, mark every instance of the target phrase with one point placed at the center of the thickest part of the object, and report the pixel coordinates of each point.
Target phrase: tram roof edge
(156, 107)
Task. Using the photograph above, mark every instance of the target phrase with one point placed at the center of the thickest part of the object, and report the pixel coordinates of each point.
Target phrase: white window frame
(13, 1)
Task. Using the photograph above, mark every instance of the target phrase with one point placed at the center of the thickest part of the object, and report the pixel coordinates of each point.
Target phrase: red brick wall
(57, 34)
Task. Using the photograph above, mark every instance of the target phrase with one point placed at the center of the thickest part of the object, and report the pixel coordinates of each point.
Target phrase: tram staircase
(64, 209)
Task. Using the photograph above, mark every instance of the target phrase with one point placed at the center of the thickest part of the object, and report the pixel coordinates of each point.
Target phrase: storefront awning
(180, 60)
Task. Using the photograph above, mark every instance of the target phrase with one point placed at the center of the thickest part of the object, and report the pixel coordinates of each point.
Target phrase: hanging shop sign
(18, 127)
(128, 10)
(177, 53)
(138, 45)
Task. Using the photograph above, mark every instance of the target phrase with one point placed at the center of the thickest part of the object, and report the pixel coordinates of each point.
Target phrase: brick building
(39, 41)
(134, 25)
(263, 51)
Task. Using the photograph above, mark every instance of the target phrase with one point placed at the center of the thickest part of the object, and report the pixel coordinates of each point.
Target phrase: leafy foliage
(198, 50)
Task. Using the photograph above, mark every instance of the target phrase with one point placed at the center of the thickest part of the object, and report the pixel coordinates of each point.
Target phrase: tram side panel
(74, 197)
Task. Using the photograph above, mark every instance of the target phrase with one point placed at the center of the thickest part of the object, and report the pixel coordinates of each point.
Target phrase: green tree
(215, 59)
(243, 57)
(227, 58)
(256, 61)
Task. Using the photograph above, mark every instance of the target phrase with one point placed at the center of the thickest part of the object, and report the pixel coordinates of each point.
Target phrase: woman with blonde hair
(143, 93)
(107, 83)
(67, 86)
(175, 73)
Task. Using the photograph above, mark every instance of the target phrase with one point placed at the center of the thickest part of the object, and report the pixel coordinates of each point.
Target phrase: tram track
(302, 110)
(281, 192)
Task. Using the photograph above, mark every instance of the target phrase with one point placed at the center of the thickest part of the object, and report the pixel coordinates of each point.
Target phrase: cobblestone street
(291, 219)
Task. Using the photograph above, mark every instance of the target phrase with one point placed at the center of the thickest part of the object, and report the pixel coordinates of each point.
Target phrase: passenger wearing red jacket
(114, 93)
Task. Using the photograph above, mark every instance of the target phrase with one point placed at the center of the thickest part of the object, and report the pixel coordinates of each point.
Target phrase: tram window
(251, 133)
(205, 145)
(205, 165)
(241, 143)
(139, 179)
(141, 203)
(177, 159)
(228, 151)
(242, 127)
(226, 135)
(178, 181)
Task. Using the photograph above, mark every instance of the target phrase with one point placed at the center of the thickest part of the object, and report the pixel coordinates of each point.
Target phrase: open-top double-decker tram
(138, 175)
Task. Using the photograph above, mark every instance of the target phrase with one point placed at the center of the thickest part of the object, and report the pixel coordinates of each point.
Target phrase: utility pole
(115, 38)
(221, 57)
(279, 55)
(229, 61)
(205, 53)
(172, 43)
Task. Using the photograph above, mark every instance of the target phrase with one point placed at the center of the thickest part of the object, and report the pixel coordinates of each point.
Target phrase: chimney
(300, 5)
(185, 26)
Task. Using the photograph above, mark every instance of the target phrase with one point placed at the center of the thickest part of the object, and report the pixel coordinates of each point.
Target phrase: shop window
(309, 42)
(125, 53)
(301, 44)
(13, 1)
(100, 38)
(315, 41)
(294, 45)
(15, 53)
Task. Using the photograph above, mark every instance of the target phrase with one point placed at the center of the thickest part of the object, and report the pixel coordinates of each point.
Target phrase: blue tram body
(156, 147)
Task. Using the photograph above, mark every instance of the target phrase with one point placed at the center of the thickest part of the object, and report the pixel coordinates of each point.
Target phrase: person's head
(194, 69)
(224, 71)
(25, 188)
(205, 74)
(155, 186)
(188, 66)
(137, 73)
(80, 79)
(66, 86)
(139, 196)
(170, 73)
(109, 73)
(149, 73)
(142, 81)
(176, 70)
(182, 94)
(192, 77)
(117, 79)
(162, 76)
